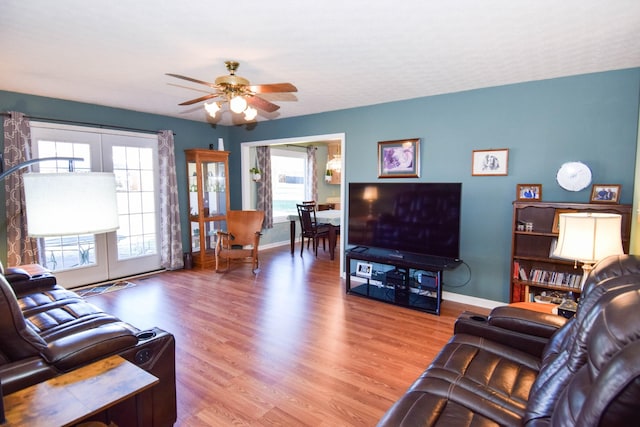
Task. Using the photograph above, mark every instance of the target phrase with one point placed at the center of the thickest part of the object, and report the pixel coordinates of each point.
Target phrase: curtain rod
(73, 122)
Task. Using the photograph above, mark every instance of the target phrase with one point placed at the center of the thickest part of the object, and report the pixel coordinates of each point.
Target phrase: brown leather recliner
(519, 367)
(46, 330)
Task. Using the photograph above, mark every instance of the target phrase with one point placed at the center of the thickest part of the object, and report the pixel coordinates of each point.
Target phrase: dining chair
(310, 227)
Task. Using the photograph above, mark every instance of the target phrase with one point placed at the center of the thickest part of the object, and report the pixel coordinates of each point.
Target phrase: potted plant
(328, 175)
(256, 174)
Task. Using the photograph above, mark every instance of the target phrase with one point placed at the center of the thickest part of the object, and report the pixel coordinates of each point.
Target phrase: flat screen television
(413, 218)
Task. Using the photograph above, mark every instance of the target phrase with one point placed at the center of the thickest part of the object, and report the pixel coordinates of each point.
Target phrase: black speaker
(398, 278)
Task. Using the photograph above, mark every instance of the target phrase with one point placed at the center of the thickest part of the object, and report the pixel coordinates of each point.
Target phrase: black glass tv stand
(408, 280)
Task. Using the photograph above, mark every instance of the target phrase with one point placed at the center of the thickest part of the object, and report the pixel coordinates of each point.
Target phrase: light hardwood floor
(286, 347)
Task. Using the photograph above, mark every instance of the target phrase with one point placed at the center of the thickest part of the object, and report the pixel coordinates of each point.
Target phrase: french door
(133, 158)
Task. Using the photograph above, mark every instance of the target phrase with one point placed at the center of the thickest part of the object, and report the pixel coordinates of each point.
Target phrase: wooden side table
(70, 398)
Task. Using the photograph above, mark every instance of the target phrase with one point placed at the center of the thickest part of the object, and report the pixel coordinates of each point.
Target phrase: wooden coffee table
(70, 398)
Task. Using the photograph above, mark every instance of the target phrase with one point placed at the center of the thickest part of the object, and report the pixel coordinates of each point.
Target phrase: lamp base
(586, 268)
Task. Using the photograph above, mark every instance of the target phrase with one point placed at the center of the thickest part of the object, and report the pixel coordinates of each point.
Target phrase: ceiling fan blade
(262, 104)
(273, 88)
(202, 98)
(190, 79)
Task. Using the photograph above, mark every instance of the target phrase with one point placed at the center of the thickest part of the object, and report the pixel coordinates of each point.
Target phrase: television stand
(409, 281)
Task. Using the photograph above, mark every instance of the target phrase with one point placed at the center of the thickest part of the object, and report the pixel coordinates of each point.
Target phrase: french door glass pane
(133, 167)
(66, 252)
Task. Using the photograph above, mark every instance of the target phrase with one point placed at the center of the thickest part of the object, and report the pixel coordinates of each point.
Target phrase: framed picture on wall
(529, 192)
(490, 162)
(605, 193)
(399, 159)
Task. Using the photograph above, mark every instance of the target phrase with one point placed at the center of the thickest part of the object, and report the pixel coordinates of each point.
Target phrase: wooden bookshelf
(533, 267)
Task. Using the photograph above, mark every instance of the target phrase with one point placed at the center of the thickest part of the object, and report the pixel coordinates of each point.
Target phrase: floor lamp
(588, 237)
(66, 204)
(60, 204)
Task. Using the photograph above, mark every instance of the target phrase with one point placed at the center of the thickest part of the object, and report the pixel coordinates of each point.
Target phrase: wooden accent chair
(310, 227)
(241, 240)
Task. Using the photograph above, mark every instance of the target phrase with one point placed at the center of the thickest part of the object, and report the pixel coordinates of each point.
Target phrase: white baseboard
(466, 299)
(277, 244)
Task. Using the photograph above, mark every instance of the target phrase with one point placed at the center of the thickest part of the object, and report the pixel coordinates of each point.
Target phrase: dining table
(330, 217)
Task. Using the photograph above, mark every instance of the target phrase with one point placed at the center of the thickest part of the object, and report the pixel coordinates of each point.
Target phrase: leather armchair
(519, 367)
(46, 330)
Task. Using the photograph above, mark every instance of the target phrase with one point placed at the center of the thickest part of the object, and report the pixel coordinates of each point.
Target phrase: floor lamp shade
(589, 237)
(61, 204)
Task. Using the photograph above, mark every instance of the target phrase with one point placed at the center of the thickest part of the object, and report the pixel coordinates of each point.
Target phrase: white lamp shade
(238, 104)
(589, 237)
(250, 113)
(60, 204)
(212, 108)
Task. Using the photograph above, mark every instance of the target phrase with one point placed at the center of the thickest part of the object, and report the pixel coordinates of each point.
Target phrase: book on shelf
(523, 274)
(519, 272)
(555, 278)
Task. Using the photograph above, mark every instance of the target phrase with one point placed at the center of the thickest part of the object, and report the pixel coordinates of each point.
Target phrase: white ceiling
(339, 53)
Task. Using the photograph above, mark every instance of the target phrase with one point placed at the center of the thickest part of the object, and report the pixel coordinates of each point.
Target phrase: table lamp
(588, 237)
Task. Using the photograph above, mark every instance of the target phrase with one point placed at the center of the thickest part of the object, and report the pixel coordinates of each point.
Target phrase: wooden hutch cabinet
(208, 184)
(534, 236)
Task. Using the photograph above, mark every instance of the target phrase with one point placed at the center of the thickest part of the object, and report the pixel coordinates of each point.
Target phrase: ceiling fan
(238, 92)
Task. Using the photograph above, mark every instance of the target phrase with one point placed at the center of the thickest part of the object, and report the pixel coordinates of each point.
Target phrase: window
(288, 182)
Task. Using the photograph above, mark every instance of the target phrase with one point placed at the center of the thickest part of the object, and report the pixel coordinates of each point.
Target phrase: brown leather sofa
(520, 367)
(46, 330)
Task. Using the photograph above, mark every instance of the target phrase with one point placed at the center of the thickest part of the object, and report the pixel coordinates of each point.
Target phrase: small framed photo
(364, 269)
(605, 193)
(399, 159)
(529, 192)
(490, 162)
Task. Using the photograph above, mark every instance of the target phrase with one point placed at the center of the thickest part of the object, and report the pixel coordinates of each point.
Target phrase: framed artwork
(399, 159)
(529, 192)
(555, 228)
(605, 193)
(490, 162)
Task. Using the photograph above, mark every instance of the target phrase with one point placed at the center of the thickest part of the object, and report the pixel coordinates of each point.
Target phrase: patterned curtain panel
(265, 191)
(21, 249)
(311, 187)
(171, 256)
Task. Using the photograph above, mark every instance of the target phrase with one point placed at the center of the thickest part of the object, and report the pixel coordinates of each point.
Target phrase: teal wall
(592, 118)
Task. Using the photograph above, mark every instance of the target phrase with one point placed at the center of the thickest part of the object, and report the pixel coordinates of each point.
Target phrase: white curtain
(170, 234)
(311, 183)
(21, 249)
(265, 190)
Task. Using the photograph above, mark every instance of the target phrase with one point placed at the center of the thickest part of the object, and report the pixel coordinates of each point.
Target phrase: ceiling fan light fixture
(212, 108)
(250, 113)
(238, 104)
(236, 91)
